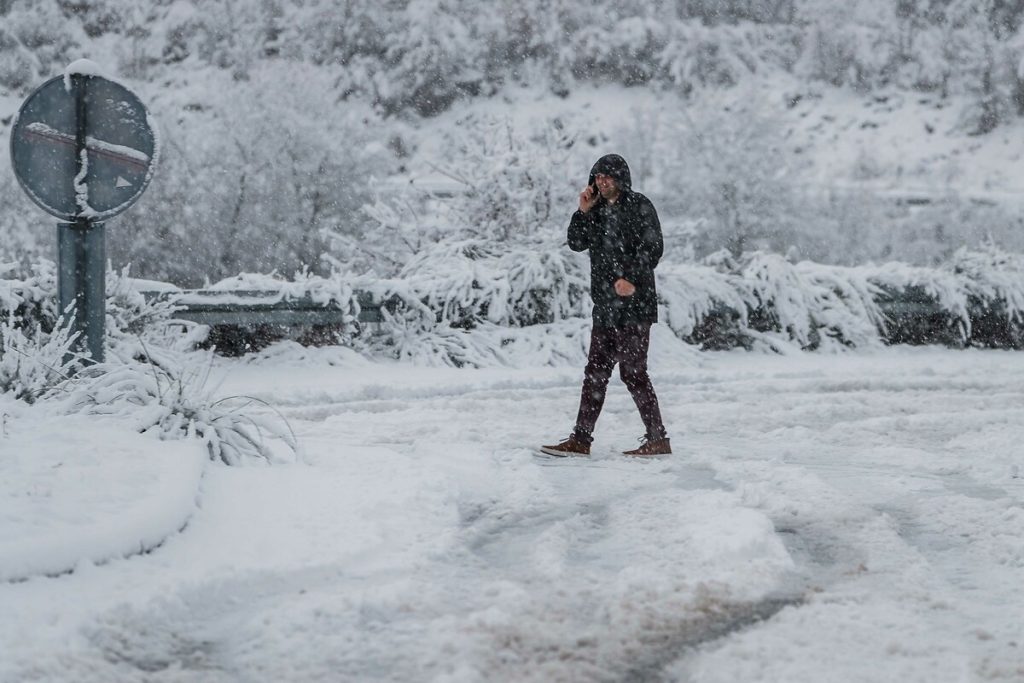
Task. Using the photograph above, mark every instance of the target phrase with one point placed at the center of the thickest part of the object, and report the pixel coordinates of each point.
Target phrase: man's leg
(633, 344)
(600, 363)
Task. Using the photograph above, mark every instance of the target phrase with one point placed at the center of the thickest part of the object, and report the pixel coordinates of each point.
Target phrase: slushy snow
(852, 518)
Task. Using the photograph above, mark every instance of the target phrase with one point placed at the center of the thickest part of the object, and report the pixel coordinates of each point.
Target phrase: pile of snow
(76, 489)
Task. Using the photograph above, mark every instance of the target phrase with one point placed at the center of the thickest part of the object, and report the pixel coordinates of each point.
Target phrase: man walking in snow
(620, 229)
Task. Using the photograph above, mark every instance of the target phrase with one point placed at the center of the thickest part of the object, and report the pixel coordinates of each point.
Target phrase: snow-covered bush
(176, 403)
(812, 306)
(491, 252)
(258, 189)
(513, 182)
(995, 286)
(412, 340)
(35, 49)
(32, 362)
(456, 288)
(409, 335)
(472, 281)
(729, 173)
(28, 295)
(756, 301)
(696, 55)
(35, 352)
(980, 294)
(510, 184)
(760, 299)
(624, 52)
(152, 377)
(28, 301)
(993, 277)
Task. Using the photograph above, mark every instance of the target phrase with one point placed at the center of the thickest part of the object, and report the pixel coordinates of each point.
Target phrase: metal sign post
(84, 150)
(82, 281)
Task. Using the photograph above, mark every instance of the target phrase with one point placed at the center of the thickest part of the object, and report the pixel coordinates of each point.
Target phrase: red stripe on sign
(64, 139)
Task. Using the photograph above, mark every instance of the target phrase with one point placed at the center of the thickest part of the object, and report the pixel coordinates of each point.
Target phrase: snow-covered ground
(847, 518)
(84, 489)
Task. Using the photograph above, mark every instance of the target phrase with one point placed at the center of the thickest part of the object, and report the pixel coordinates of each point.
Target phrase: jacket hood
(615, 166)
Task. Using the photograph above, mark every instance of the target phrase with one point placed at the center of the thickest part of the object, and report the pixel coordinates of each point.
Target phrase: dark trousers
(626, 346)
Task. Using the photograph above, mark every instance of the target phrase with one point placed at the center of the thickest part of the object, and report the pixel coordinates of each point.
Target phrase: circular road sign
(70, 112)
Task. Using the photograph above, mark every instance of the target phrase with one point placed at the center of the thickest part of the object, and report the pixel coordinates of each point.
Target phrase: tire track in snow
(960, 538)
(538, 577)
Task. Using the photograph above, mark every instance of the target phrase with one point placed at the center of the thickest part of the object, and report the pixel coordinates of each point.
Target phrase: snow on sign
(118, 149)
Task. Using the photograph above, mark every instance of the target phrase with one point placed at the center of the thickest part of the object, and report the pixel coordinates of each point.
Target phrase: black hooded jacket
(624, 240)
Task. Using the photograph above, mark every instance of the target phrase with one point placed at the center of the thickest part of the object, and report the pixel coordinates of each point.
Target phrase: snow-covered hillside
(836, 132)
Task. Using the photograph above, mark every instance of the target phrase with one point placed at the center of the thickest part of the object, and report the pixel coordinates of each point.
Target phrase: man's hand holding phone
(588, 198)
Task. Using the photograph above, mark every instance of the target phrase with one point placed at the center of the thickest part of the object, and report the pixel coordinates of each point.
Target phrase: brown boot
(651, 448)
(571, 447)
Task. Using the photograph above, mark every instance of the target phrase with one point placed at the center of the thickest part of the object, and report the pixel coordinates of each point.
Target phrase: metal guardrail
(266, 307)
(245, 308)
(912, 316)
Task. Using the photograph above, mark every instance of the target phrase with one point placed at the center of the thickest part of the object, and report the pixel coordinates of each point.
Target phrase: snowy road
(854, 518)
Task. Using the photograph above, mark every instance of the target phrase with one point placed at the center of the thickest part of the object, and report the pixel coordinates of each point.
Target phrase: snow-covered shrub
(511, 190)
(28, 301)
(35, 352)
(928, 286)
(513, 182)
(257, 190)
(993, 276)
(471, 285)
(410, 336)
(980, 294)
(474, 281)
(701, 304)
(696, 55)
(134, 321)
(810, 305)
(729, 173)
(33, 362)
(760, 297)
(176, 403)
(491, 252)
(411, 339)
(564, 342)
(995, 291)
(28, 295)
(624, 52)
